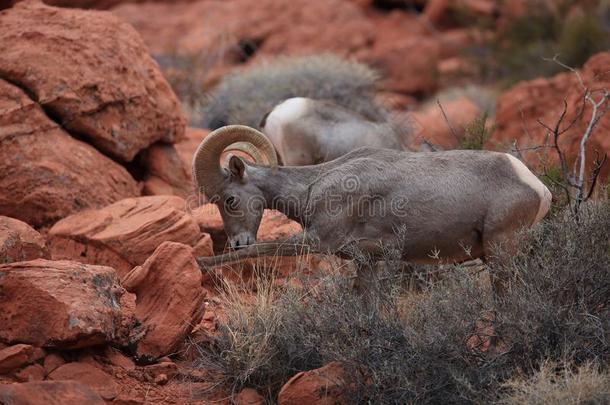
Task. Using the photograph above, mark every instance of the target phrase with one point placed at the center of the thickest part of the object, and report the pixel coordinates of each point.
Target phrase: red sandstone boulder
(519, 109)
(19, 242)
(271, 26)
(97, 78)
(17, 356)
(49, 393)
(186, 148)
(167, 173)
(419, 76)
(124, 234)
(89, 375)
(430, 123)
(251, 30)
(33, 372)
(169, 298)
(438, 11)
(52, 361)
(323, 386)
(248, 396)
(58, 303)
(45, 174)
(116, 358)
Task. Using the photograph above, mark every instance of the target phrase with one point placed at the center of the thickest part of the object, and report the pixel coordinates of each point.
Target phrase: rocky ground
(101, 299)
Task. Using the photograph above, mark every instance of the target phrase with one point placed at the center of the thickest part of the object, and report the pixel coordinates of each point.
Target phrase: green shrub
(246, 96)
(476, 133)
(518, 51)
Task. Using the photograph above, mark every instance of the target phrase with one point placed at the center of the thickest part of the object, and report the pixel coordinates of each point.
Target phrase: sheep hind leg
(498, 248)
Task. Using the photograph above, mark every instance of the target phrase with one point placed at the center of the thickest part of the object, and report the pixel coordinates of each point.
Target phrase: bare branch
(597, 168)
(457, 138)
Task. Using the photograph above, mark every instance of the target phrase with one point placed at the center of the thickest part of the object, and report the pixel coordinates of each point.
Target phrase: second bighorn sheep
(305, 131)
(447, 206)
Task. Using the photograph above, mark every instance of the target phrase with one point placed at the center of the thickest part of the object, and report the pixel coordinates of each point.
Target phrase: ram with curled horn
(449, 206)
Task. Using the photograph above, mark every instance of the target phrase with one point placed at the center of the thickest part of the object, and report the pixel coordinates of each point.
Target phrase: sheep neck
(286, 189)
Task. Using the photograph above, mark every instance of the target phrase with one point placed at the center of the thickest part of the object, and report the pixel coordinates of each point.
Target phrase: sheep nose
(241, 241)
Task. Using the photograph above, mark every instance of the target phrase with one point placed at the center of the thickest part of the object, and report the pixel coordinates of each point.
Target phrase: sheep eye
(231, 203)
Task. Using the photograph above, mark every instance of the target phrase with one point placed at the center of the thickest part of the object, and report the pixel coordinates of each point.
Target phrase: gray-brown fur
(307, 131)
(455, 202)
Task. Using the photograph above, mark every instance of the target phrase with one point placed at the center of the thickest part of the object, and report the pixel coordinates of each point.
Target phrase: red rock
(19, 242)
(455, 71)
(306, 27)
(455, 42)
(419, 76)
(17, 356)
(52, 361)
(276, 27)
(437, 11)
(49, 393)
(209, 220)
(519, 109)
(323, 386)
(161, 379)
(205, 246)
(98, 80)
(276, 225)
(117, 358)
(34, 372)
(129, 399)
(396, 101)
(430, 123)
(88, 375)
(96, 4)
(44, 173)
(169, 298)
(186, 148)
(67, 304)
(248, 396)
(167, 173)
(124, 234)
(167, 368)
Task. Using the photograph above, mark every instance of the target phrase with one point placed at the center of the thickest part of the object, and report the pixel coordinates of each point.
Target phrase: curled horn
(207, 172)
(247, 148)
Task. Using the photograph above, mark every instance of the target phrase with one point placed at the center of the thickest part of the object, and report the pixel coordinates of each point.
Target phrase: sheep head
(240, 202)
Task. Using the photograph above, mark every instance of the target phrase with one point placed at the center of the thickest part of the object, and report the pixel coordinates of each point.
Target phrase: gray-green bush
(244, 97)
(518, 51)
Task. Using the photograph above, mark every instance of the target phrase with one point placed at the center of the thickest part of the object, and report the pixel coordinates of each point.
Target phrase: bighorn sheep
(449, 206)
(305, 131)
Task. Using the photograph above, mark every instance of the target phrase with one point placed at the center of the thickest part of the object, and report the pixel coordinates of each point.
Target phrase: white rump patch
(529, 178)
(287, 111)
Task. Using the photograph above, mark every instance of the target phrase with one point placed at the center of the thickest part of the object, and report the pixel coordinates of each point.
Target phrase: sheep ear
(236, 167)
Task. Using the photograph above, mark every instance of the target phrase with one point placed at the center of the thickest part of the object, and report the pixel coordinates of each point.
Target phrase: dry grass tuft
(561, 386)
(452, 342)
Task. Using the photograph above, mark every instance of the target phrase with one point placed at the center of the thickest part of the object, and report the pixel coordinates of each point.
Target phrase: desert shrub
(559, 303)
(476, 133)
(453, 342)
(246, 96)
(517, 51)
(581, 37)
(561, 385)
